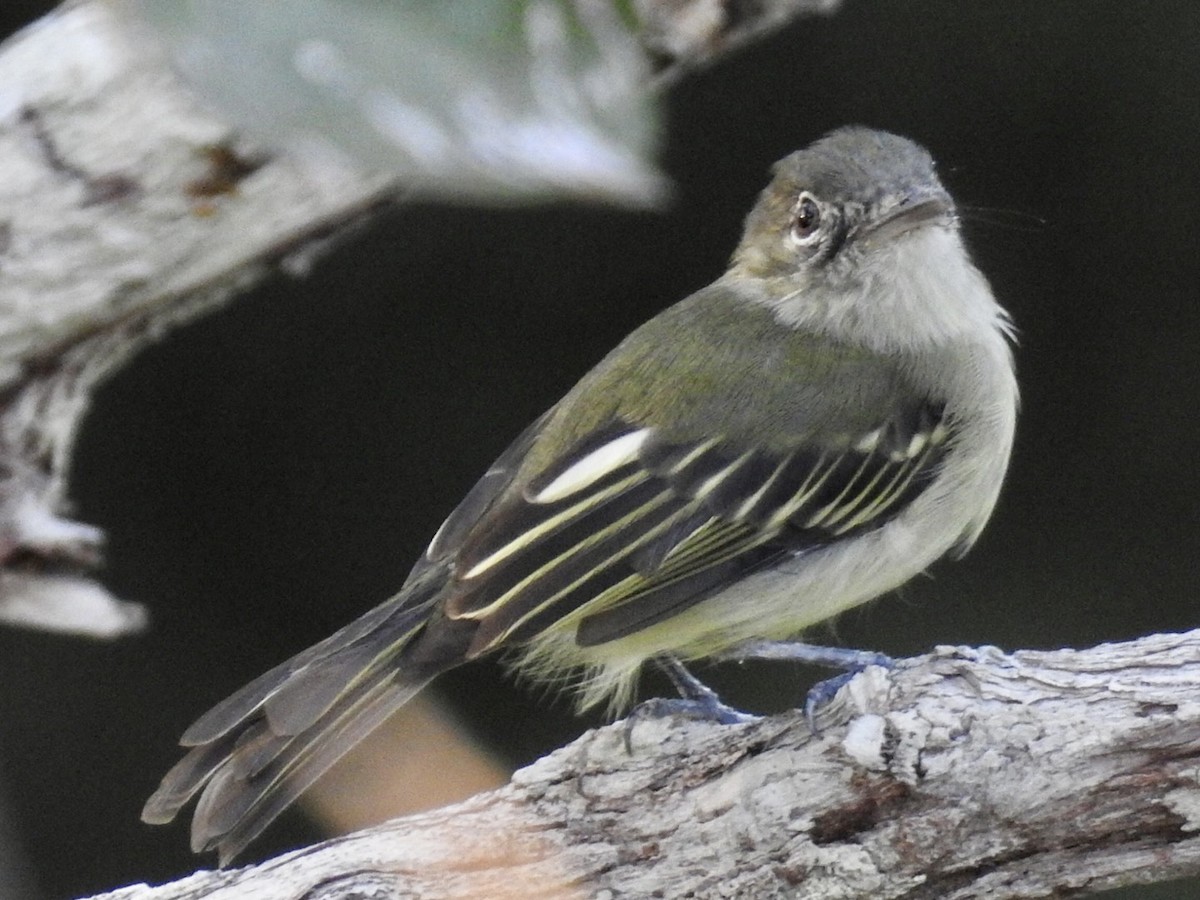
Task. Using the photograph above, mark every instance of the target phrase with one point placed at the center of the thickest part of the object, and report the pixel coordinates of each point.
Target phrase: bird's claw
(850, 661)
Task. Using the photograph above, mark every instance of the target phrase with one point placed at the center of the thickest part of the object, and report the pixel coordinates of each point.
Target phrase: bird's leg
(851, 662)
(796, 651)
(697, 696)
(697, 700)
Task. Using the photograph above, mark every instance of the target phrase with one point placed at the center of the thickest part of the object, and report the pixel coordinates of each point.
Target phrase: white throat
(920, 289)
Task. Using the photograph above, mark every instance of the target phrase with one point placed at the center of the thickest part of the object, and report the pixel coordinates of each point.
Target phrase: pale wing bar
(676, 523)
(809, 498)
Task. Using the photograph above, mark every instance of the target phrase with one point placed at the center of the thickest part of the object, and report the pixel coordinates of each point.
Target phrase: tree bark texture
(967, 773)
(124, 211)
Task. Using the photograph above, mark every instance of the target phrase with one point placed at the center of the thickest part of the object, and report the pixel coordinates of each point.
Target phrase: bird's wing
(629, 527)
(478, 501)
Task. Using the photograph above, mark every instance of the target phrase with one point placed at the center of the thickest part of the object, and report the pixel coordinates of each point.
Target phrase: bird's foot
(704, 710)
(696, 701)
(698, 697)
(850, 661)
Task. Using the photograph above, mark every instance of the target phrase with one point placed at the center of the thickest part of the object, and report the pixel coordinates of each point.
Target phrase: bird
(820, 424)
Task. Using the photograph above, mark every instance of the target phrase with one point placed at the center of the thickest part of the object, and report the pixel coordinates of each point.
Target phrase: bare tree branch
(116, 227)
(962, 774)
(684, 35)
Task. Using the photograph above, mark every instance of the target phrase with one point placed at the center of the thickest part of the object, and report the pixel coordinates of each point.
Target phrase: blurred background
(270, 472)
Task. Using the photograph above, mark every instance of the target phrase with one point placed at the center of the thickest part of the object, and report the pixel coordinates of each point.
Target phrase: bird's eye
(807, 219)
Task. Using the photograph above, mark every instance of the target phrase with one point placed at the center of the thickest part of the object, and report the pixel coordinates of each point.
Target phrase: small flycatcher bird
(810, 431)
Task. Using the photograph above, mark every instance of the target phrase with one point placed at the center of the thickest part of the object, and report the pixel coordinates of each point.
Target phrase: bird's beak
(907, 212)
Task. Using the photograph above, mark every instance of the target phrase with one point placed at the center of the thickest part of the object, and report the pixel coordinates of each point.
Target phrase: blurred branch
(684, 35)
(965, 773)
(128, 209)
(124, 212)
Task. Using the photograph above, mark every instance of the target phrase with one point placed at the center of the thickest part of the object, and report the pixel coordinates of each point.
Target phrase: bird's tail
(254, 753)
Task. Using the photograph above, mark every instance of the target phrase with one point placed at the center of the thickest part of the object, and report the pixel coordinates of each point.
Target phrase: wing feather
(629, 528)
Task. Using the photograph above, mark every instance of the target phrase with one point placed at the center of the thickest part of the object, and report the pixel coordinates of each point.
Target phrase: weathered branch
(118, 221)
(684, 35)
(966, 773)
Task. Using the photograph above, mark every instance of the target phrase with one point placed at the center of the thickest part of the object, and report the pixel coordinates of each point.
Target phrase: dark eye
(808, 218)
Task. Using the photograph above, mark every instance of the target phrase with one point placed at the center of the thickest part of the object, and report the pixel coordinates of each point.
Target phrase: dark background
(270, 472)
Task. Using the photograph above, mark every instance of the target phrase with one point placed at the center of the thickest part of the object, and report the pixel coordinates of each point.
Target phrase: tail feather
(236, 708)
(394, 617)
(185, 778)
(255, 753)
(234, 809)
(300, 702)
(256, 748)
